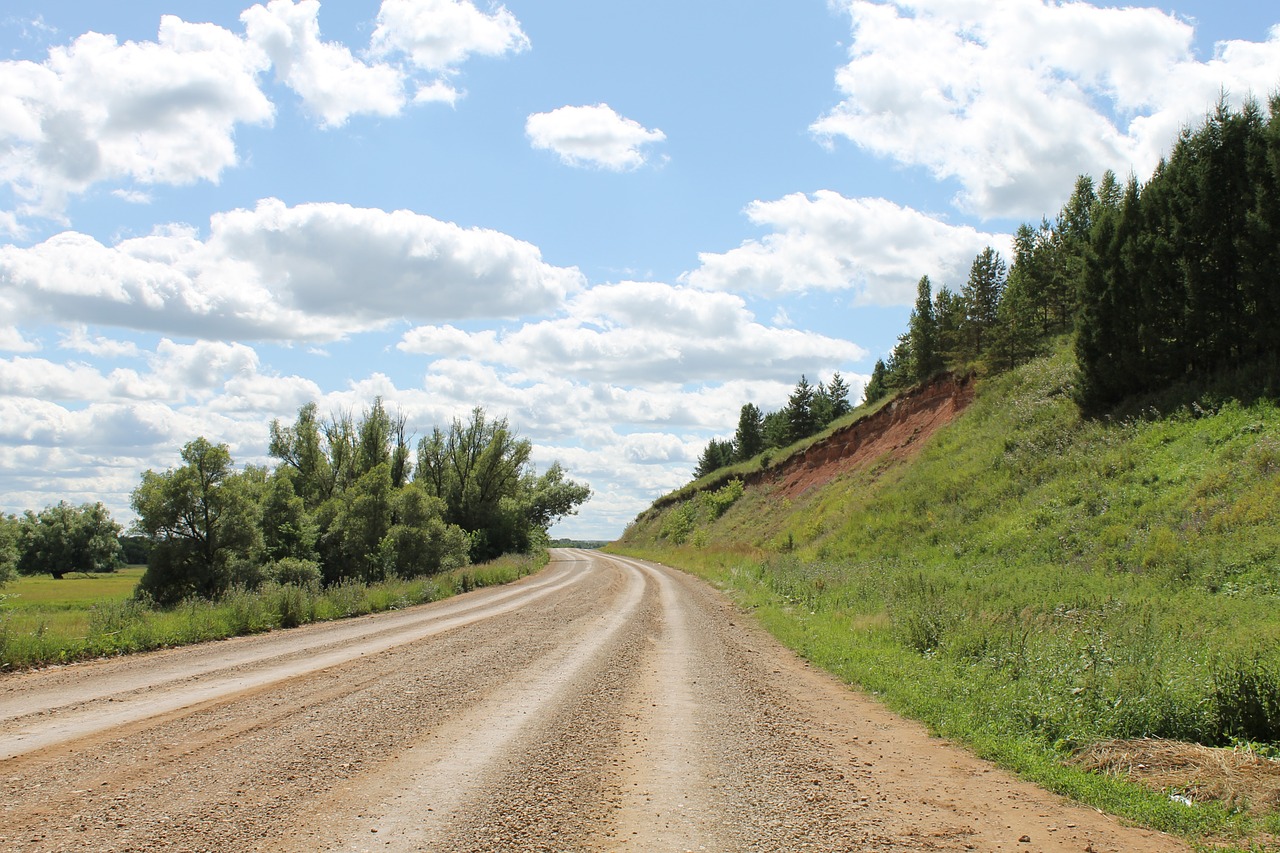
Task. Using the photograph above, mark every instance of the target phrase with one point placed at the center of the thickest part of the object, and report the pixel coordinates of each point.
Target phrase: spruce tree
(748, 441)
(800, 417)
(876, 386)
(838, 396)
(923, 329)
(981, 297)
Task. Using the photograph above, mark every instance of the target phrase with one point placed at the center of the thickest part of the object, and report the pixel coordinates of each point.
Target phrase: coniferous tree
(800, 417)
(821, 407)
(837, 393)
(717, 455)
(948, 313)
(923, 330)
(877, 386)
(777, 429)
(981, 297)
(748, 441)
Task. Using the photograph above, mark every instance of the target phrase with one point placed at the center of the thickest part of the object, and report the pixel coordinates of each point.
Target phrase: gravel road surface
(603, 704)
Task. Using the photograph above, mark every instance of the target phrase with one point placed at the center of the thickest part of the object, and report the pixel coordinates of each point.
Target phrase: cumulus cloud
(825, 241)
(78, 339)
(1014, 101)
(438, 35)
(12, 340)
(160, 112)
(644, 332)
(332, 83)
(165, 112)
(592, 136)
(311, 272)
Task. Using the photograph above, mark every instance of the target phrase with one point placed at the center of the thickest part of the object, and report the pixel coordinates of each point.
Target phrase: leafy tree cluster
(349, 499)
(1182, 276)
(809, 410)
(59, 540)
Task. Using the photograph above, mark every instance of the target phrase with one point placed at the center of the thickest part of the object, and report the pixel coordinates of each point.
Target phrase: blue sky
(612, 223)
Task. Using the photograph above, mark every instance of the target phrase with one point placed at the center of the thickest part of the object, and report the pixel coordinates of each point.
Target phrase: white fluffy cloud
(310, 272)
(828, 242)
(78, 339)
(165, 112)
(1014, 100)
(332, 83)
(592, 136)
(438, 35)
(644, 332)
(151, 112)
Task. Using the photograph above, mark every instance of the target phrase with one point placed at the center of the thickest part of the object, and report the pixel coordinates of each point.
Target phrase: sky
(611, 223)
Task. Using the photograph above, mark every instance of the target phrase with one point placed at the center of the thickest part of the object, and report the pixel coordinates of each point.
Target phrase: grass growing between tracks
(64, 621)
(1035, 585)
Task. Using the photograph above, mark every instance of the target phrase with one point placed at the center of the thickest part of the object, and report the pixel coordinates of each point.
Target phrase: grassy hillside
(1032, 582)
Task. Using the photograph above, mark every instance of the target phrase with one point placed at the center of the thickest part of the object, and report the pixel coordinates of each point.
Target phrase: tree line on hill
(809, 409)
(349, 500)
(1157, 282)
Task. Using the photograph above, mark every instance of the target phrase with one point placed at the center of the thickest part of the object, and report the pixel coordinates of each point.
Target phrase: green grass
(50, 622)
(74, 591)
(1032, 582)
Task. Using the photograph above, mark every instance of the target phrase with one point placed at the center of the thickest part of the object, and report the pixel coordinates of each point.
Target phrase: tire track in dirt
(414, 804)
(620, 706)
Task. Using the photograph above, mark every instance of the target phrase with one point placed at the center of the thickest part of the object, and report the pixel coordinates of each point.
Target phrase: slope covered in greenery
(1031, 581)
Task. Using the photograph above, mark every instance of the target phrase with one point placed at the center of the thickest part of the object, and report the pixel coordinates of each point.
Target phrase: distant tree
(837, 396)
(288, 530)
(923, 330)
(301, 449)
(876, 387)
(354, 523)
(481, 470)
(748, 441)
(134, 550)
(948, 313)
(821, 407)
(981, 297)
(421, 542)
(717, 455)
(10, 532)
(777, 429)
(61, 539)
(203, 522)
(800, 416)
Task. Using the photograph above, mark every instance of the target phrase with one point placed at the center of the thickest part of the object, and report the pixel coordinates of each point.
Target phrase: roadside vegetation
(83, 616)
(350, 521)
(1086, 562)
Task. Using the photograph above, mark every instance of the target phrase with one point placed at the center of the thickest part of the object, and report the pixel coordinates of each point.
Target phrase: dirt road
(604, 704)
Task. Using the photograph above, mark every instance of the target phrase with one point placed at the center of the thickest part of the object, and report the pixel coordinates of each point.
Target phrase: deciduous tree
(62, 538)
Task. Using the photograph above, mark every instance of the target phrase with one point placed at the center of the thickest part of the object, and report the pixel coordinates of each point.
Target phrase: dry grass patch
(1240, 779)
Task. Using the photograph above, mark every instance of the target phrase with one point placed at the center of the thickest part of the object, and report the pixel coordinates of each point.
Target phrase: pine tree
(838, 396)
(948, 313)
(718, 454)
(777, 429)
(923, 329)
(800, 417)
(981, 297)
(748, 441)
(876, 386)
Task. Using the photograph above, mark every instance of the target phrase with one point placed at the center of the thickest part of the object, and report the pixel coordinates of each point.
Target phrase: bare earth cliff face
(895, 432)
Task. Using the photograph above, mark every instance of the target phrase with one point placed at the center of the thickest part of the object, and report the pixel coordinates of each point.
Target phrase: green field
(1035, 584)
(72, 592)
